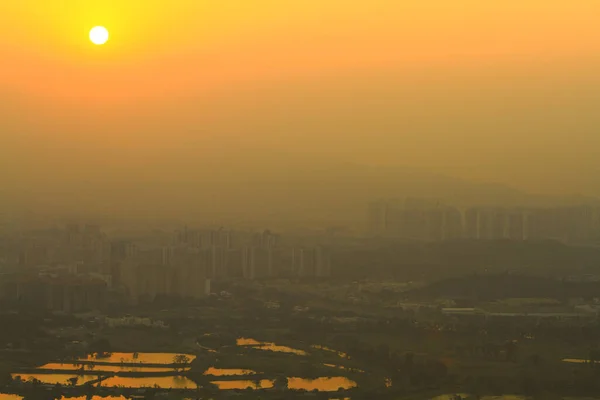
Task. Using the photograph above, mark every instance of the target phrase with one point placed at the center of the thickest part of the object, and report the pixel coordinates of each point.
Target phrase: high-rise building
(378, 217)
(311, 262)
(234, 263)
(472, 223)
(322, 263)
(517, 225)
(166, 255)
(453, 226)
(566, 224)
(258, 263)
(485, 223)
(184, 275)
(415, 219)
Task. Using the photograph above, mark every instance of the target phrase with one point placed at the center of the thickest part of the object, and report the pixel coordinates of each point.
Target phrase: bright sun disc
(99, 35)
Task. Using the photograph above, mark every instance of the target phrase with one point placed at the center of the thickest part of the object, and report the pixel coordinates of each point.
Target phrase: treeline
(532, 375)
(419, 260)
(489, 287)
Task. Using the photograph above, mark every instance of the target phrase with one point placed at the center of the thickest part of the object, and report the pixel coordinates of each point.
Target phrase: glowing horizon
(466, 87)
(200, 42)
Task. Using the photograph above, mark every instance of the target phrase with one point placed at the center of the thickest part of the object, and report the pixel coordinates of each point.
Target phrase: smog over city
(273, 199)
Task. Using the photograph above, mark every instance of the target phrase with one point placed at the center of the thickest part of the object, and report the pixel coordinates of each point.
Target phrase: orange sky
(175, 48)
(478, 89)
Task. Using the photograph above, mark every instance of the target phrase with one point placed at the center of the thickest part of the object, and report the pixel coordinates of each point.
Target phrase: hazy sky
(505, 91)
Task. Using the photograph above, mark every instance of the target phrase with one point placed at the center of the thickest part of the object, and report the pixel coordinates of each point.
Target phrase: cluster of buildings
(415, 219)
(74, 244)
(76, 268)
(434, 221)
(576, 224)
(66, 293)
(59, 269)
(195, 258)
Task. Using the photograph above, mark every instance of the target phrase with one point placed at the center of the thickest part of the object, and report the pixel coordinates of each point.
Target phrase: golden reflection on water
(53, 379)
(247, 342)
(228, 371)
(466, 396)
(280, 349)
(103, 368)
(324, 384)
(242, 385)
(268, 346)
(148, 358)
(343, 368)
(578, 360)
(93, 398)
(324, 348)
(163, 382)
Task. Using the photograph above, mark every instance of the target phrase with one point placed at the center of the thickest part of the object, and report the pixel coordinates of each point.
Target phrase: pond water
(53, 379)
(324, 384)
(103, 368)
(268, 346)
(280, 349)
(339, 353)
(228, 372)
(247, 342)
(206, 348)
(92, 398)
(344, 368)
(578, 360)
(466, 396)
(164, 382)
(242, 385)
(131, 358)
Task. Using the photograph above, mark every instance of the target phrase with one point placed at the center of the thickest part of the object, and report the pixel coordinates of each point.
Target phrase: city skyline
(359, 199)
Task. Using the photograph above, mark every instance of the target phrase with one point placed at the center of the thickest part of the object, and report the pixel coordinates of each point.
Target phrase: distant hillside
(294, 190)
(502, 286)
(433, 262)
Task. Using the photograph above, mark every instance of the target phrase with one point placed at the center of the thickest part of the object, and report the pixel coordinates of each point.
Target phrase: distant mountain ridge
(294, 189)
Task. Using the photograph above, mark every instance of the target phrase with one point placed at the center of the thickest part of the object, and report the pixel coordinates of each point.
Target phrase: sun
(99, 35)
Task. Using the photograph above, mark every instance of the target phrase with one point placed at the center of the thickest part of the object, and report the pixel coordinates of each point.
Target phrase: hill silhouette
(292, 189)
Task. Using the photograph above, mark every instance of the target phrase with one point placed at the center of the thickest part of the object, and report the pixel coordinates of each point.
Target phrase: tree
(57, 391)
(409, 360)
(594, 357)
(383, 351)
(181, 361)
(281, 382)
(100, 346)
(511, 351)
